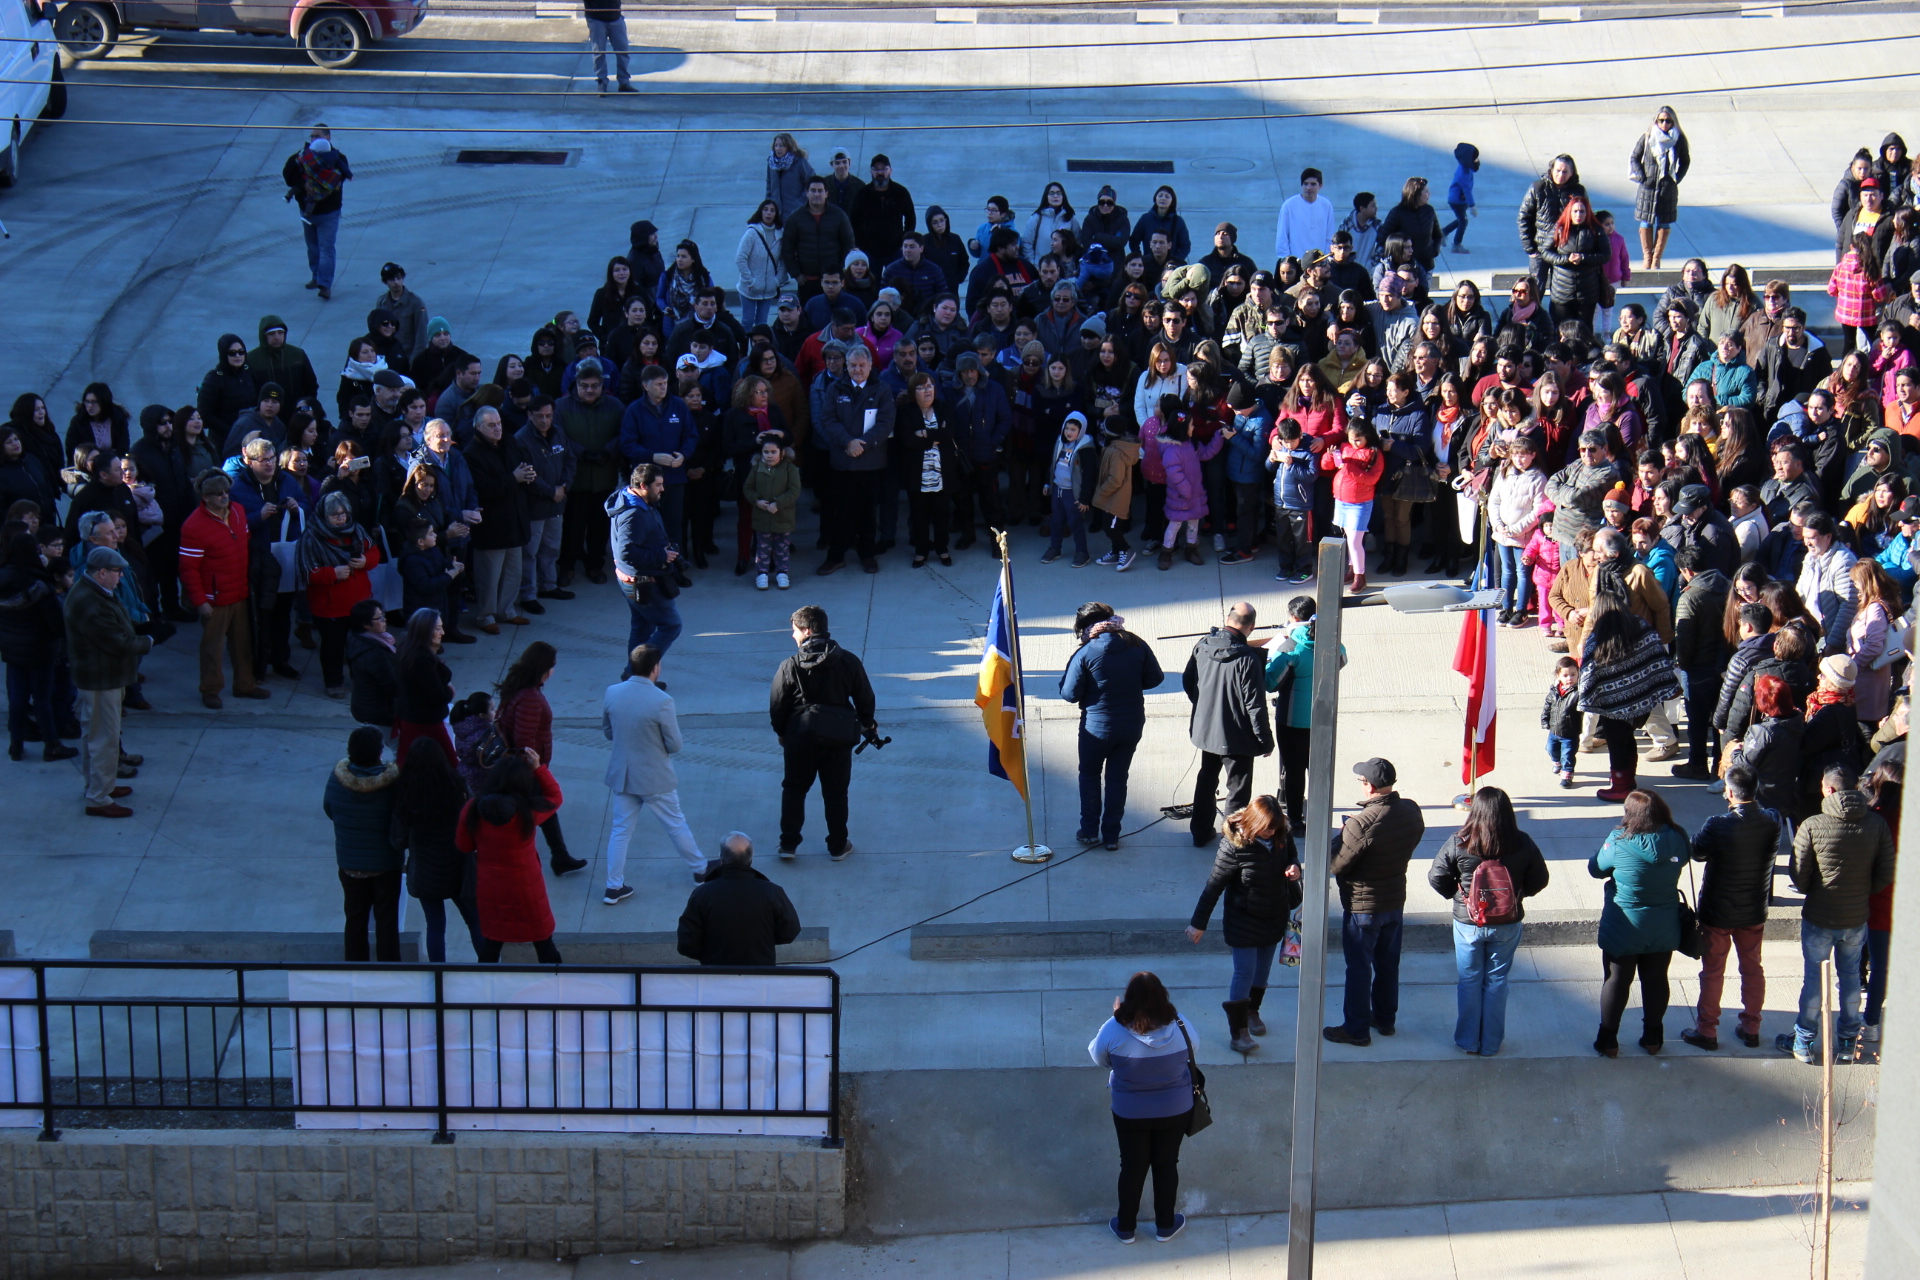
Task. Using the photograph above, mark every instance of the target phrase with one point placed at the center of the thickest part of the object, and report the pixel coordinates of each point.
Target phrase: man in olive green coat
(104, 654)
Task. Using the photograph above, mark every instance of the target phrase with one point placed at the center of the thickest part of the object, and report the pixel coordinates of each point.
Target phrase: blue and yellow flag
(998, 695)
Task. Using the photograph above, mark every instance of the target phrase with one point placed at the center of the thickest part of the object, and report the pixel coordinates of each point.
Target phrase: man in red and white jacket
(214, 555)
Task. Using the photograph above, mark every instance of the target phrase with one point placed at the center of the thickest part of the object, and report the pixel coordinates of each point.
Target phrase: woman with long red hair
(1577, 254)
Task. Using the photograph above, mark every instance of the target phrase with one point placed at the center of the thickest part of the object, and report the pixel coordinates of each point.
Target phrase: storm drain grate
(511, 157)
(1119, 166)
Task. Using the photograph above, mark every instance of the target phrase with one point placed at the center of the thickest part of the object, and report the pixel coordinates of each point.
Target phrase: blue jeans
(1067, 516)
(1564, 753)
(1250, 968)
(1844, 945)
(1483, 956)
(321, 229)
(609, 33)
(1458, 227)
(1115, 757)
(435, 911)
(755, 311)
(1371, 944)
(1513, 576)
(656, 623)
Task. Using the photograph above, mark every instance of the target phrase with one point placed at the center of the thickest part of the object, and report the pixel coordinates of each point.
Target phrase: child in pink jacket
(1617, 271)
(1542, 558)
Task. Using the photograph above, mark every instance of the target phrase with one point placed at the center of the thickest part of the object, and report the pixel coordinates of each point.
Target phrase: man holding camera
(821, 706)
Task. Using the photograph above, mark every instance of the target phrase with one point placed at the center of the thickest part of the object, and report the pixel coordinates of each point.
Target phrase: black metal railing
(443, 1045)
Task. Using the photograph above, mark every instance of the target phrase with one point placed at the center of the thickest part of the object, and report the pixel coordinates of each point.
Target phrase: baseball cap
(105, 558)
(787, 301)
(1376, 773)
(1312, 258)
(1910, 509)
(1692, 498)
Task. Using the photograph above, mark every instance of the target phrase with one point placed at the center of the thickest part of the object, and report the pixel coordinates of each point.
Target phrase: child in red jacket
(1357, 467)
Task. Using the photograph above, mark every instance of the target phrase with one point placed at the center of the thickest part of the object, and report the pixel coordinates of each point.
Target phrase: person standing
(606, 25)
(1107, 677)
(497, 827)
(103, 653)
(30, 643)
(643, 561)
(590, 420)
(1700, 653)
(426, 808)
(1738, 848)
(637, 716)
(502, 477)
(1258, 869)
(1641, 862)
(315, 175)
(333, 561)
(1147, 1049)
(855, 430)
(736, 916)
(1306, 221)
(525, 722)
(821, 704)
(1224, 681)
(359, 800)
(1842, 856)
(1658, 165)
(1369, 863)
(543, 442)
(1289, 677)
(215, 564)
(1487, 867)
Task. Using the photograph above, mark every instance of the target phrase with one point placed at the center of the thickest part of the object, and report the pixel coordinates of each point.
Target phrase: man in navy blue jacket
(1108, 677)
(982, 418)
(658, 428)
(643, 561)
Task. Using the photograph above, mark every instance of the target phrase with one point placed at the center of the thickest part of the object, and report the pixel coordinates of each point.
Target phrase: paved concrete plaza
(134, 247)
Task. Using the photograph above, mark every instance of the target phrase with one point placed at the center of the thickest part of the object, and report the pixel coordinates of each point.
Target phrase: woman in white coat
(758, 260)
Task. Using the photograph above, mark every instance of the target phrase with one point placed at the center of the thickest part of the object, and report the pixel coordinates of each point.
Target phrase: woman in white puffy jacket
(758, 260)
(1053, 214)
(1514, 507)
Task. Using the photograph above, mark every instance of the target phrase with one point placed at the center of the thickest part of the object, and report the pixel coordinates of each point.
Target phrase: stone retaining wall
(103, 1205)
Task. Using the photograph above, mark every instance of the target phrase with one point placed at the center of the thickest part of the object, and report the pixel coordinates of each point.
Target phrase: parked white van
(31, 87)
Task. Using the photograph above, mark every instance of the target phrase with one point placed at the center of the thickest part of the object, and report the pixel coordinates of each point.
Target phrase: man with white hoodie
(1306, 221)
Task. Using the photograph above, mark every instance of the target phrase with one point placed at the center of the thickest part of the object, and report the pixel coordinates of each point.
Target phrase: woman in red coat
(515, 796)
(334, 558)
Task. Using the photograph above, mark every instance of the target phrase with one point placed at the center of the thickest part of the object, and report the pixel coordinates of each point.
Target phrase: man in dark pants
(1108, 677)
(1370, 858)
(1700, 651)
(736, 916)
(590, 418)
(854, 432)
(1225, 681)
(982, 419)
(821, 703)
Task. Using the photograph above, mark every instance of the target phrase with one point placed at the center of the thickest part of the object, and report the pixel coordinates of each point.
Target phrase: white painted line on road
(1560, 13)
(1161, 16)
(1362, 17)
(756, 15)
(1763, 11)
(956, 15)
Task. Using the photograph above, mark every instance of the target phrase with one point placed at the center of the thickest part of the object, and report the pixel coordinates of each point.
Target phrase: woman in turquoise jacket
(1640, 923)
(1291, 665)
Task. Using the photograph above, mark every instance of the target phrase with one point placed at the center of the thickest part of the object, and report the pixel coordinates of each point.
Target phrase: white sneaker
(780, 581)
(760, 581)
(1219, 542)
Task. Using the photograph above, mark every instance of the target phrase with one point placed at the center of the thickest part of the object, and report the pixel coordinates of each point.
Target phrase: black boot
(1254, 996)
(1237, 1025)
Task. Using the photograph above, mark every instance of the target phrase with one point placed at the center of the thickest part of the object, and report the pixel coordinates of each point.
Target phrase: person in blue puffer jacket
(1247, 473)
(1460, 194)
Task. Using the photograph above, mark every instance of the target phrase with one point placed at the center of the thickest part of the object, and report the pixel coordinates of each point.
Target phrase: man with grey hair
(1225, 682)
(104, 653)
(637, 717)
(215, 573)
(502, 477)
(1578, 491)
(738, 916)
(1058, 327)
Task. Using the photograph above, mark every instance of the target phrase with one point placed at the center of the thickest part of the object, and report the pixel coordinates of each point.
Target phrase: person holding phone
(334, 557)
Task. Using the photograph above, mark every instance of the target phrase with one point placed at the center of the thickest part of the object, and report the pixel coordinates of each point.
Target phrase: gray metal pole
(1313, 844)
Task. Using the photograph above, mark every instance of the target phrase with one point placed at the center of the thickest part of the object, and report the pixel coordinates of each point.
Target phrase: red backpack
(1491, 897)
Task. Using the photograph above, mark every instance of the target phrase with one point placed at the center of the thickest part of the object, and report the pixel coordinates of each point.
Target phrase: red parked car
(332, 32)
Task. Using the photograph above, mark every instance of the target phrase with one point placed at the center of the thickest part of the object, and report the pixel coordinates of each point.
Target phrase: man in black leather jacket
(1738, 848)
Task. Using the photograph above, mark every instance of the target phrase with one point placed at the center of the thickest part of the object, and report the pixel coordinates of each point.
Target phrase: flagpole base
(1032, 853)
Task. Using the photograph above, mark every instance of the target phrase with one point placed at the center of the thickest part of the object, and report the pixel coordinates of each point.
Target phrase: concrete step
(1061, 939)
(811, 947)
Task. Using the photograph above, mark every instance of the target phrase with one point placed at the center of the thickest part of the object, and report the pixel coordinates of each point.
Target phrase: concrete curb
(1063, 939)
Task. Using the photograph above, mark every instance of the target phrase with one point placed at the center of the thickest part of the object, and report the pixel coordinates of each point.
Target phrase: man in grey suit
(637, 717)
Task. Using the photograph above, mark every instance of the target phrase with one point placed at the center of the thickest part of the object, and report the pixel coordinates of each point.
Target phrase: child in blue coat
(1460, 194)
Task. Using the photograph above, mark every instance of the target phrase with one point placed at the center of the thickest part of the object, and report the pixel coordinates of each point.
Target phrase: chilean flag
(1473, 658)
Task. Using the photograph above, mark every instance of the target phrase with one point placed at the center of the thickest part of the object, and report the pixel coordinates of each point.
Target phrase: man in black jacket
(1369, 863)
(1738, 848)
(1700, 651)
(882, 213)
(736, 916)
(1225, 682)
(817, 238)
(314, 176)
(821, 704)
(501, 476)
(1702, 526)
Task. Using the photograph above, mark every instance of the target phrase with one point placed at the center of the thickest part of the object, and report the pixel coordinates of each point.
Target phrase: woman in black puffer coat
(1577, 253)
(1259, 871)
(425, 814)
(32, 636)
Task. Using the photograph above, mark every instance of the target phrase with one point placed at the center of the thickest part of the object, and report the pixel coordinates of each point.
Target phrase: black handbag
(1693, 943)
(1202, 1114)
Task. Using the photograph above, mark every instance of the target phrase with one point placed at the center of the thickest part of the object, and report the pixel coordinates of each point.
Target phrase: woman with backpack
(1487, 867)
(1259, 871)
(525, 723)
